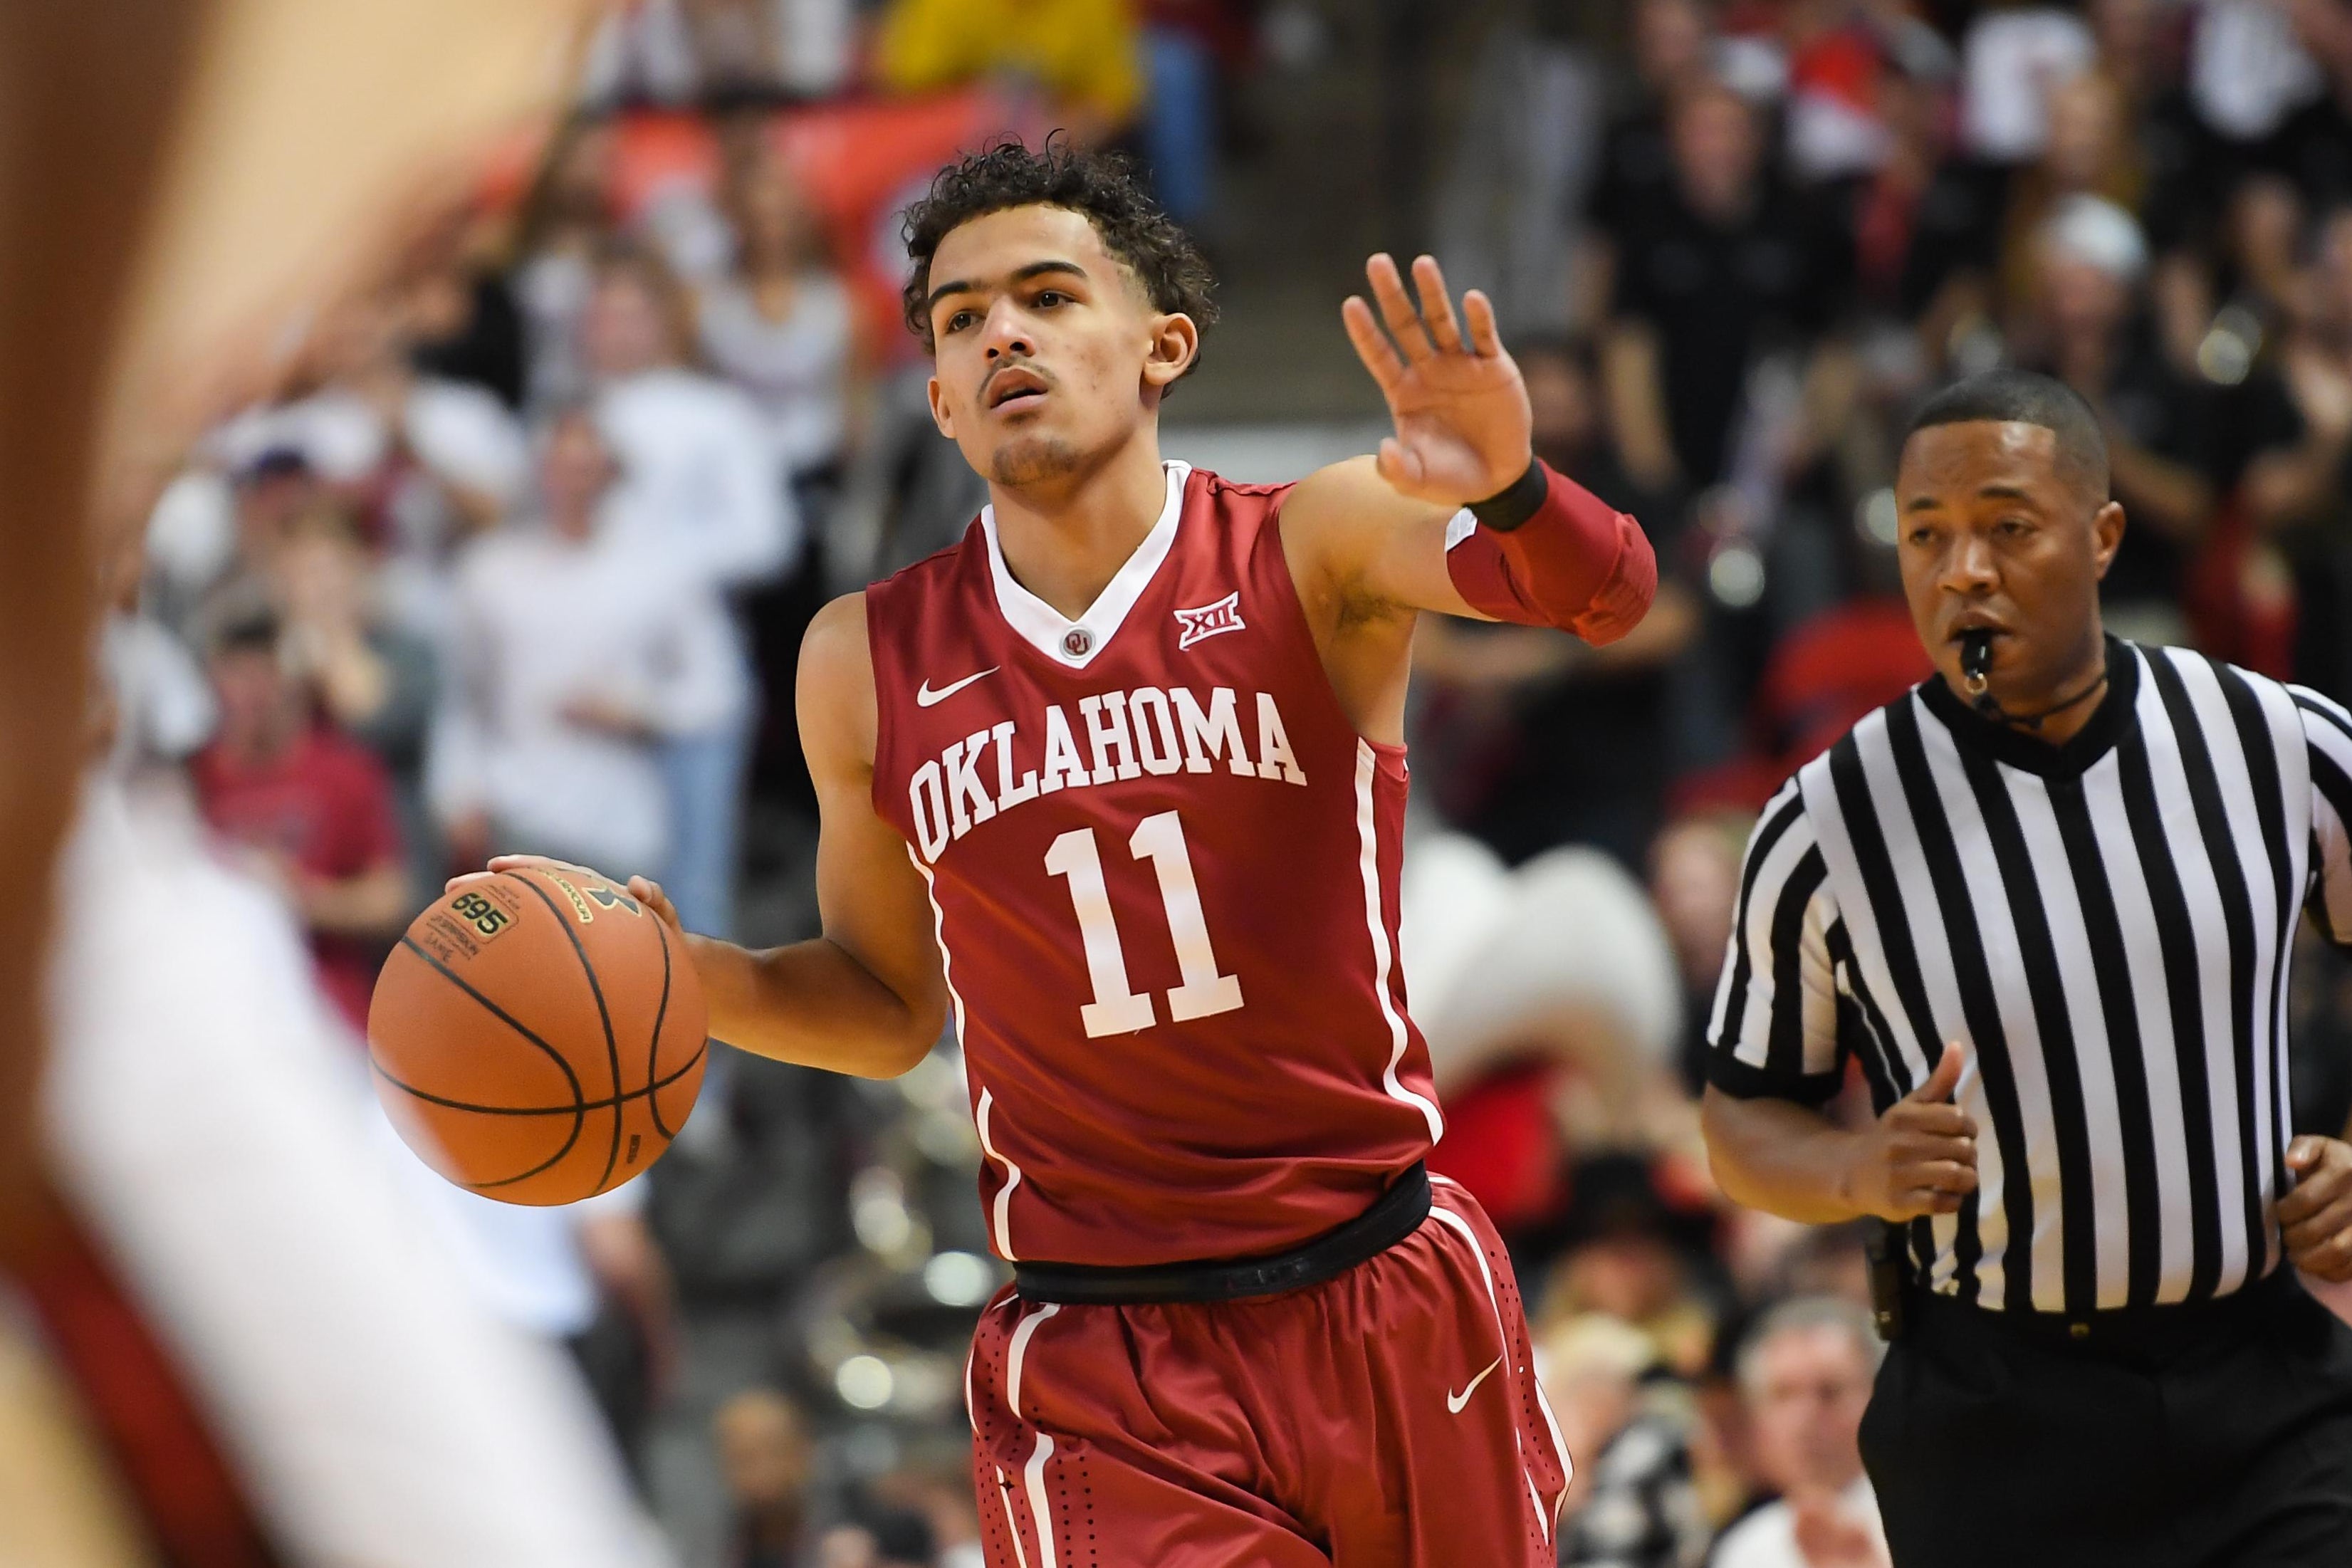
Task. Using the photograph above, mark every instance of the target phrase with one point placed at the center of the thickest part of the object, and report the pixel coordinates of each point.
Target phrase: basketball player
(1118, 780)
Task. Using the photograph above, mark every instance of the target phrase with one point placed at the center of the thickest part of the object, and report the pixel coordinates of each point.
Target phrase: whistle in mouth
(1976, 659)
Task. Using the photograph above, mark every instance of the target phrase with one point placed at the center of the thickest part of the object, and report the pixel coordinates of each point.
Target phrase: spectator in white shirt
(780, 324)
(702, 491)
(575, 655)
(1806, 1372)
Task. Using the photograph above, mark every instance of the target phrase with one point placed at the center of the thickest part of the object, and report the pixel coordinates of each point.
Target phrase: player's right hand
(1920, 1158)
(648, 892)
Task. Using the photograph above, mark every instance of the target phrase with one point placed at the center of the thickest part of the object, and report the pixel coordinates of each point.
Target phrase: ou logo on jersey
(1225, 616)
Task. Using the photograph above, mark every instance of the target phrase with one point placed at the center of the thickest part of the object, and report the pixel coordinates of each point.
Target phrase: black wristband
(1515, 503)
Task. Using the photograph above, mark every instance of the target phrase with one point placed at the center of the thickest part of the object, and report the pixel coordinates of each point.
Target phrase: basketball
(538, 1037)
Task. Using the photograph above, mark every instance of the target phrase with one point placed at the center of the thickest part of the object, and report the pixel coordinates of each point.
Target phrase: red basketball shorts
(1387, 1418)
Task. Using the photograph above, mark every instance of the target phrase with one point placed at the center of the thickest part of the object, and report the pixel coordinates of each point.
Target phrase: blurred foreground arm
(89, 93)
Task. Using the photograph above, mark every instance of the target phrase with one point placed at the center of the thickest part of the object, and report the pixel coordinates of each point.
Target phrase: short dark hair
(2009, 395)
(242, 619)
(1102, 187)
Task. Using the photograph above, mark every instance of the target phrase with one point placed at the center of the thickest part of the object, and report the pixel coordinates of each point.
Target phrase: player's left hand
(648, 892)
(2316, 1218)
(1461, 409)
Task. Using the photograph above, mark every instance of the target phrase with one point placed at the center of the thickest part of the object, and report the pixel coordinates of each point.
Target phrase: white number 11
(1118, 1009)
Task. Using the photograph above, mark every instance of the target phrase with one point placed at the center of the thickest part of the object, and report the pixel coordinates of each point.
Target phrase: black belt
(2153, 1333)
(1397, 1214)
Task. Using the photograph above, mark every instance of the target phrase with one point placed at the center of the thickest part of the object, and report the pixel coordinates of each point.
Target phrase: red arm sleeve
(1578, 564)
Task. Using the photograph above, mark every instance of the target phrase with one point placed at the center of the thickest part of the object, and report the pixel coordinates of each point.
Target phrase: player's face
(1996, 537)
(1048, 355)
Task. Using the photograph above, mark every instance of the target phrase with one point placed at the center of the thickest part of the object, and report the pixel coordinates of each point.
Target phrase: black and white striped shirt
(2107, 923)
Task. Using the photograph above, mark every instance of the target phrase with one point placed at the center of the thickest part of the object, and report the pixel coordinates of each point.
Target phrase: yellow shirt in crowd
(1083, 54)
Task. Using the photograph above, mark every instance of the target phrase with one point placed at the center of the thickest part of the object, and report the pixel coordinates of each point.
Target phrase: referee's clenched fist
(2315, 1219)
(1920, 1158)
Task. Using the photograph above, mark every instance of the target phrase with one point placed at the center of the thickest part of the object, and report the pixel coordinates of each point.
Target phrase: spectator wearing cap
(221, 518)
(311, 809)
(701, 498)
(2087, 151)
(421, 462)
(1805, 1373)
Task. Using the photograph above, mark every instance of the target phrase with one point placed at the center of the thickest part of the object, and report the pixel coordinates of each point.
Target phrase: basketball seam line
(653, 1049)
(580, 1113)
(431, 1099)
(604, 1013)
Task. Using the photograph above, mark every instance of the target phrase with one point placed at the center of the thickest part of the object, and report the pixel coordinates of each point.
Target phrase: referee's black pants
(2212, 1436)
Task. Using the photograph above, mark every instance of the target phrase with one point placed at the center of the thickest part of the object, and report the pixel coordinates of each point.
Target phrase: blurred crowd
(518, 556)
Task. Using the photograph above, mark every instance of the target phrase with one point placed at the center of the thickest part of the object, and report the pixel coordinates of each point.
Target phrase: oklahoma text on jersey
(1163, 866)
(1129, 734)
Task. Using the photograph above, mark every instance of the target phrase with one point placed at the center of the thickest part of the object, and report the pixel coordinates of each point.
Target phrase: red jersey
(1163, 866)
(326, 806)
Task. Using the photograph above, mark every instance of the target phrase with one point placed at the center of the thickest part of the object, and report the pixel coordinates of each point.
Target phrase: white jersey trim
(1045, 628)
(1033, 1475)
(1022, 1333)
(940, 935)
(1369, 835)
(1004, 1216)
(1040, 1512)
(1454, 1222)
(1011, 1520)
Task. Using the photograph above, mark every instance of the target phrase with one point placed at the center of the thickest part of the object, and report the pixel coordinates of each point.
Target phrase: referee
(2047, 901)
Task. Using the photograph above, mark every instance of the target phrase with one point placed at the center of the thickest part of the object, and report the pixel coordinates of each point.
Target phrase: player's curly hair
(1104, 186)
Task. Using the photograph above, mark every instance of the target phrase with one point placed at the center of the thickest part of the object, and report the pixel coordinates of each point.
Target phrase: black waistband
(2158, 1331)
(1397, 1214)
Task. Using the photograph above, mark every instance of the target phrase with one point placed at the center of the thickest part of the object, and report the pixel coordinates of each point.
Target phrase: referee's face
(1998, 536)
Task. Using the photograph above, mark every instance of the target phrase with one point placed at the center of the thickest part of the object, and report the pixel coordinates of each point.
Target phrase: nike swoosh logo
(1455, 1402)
(925, 697)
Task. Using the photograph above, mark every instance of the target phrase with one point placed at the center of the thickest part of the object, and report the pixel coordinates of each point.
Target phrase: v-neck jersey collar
(1074, 644)
(2029, 754)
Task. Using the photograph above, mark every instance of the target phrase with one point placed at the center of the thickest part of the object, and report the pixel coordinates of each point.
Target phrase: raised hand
(1460, 409)
(1920, 1158)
